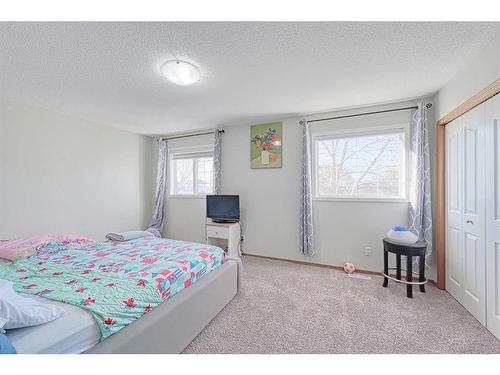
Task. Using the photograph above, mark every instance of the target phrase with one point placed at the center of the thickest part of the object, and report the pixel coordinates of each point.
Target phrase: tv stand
(225, 235)
(224, 221)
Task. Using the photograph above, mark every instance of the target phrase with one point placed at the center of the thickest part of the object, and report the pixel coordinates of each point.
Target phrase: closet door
(473, 224)
(454, 209)
(492, 115)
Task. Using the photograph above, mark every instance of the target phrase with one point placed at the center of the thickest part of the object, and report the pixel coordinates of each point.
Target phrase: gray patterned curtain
(306, 214)
(217, 162)
(420, 178)
(158, 218)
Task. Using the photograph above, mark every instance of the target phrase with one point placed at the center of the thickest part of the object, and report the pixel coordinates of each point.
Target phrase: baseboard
(321, 265)
(313, 264)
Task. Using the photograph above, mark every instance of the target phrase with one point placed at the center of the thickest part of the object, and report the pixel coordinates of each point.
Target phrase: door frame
(479, 98)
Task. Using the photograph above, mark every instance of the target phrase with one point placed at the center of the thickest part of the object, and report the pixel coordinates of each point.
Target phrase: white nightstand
(225, 235)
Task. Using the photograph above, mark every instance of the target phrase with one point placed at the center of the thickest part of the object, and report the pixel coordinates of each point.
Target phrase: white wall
(269, 201)
(344, 229)
(185, 217)
(475, 76)
(59, 174)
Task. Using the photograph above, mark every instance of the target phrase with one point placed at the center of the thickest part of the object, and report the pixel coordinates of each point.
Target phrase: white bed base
(171, 326)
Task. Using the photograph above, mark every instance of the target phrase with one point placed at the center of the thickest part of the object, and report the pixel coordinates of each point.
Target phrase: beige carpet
(289, 308)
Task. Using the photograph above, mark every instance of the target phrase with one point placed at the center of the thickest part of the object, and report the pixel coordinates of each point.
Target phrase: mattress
(103, 287)
(117, 283)
(74, 332)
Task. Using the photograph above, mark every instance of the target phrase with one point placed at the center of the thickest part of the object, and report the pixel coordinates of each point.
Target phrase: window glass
(191, 173)
(364, 165)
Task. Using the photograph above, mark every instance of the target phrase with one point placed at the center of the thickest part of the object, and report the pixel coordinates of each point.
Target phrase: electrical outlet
(242, 238)
(368, 251)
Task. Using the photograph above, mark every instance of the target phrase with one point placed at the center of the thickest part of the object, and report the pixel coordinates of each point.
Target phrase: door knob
(470, 222)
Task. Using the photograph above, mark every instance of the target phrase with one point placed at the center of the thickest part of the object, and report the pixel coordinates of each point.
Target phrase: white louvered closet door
(492, 115)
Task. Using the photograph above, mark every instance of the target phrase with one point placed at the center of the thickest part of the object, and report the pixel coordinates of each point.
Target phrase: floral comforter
(117, 282)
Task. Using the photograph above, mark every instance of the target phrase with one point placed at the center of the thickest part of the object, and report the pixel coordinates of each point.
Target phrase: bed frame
(171, 326)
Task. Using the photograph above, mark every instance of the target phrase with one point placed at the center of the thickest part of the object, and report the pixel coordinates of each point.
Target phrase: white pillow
(17, 311)
(129, 235)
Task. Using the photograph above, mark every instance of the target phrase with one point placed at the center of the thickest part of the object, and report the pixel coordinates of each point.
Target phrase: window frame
(194, 150)
(403, 128)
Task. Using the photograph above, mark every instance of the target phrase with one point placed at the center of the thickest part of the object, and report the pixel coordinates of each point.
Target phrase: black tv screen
(223, 207)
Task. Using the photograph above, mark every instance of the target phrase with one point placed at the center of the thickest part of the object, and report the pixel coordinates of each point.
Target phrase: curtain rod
(428, 105)
(190, 135)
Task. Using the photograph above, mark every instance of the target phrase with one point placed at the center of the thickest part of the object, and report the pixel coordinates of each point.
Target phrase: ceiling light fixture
(181, 72)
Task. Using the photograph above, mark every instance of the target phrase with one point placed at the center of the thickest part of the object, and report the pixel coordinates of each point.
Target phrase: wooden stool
(409, 250)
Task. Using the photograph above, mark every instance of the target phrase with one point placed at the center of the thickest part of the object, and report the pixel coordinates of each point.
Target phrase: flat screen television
(223, 208)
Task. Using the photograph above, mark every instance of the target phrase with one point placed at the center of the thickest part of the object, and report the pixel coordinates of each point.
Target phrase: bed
(148, 295)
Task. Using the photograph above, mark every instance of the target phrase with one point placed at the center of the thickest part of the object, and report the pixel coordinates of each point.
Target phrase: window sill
(361, 200)
(190, 196)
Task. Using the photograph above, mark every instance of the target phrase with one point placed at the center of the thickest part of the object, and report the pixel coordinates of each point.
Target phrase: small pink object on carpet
(349, 268)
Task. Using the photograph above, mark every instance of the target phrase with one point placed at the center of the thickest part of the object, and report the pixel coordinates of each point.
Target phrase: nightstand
(225, 235)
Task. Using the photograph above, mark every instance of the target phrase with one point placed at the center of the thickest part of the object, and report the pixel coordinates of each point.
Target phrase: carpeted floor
(289, 308)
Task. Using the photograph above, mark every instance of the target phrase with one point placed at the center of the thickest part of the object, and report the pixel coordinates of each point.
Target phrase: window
(361, 165)
(191, 172)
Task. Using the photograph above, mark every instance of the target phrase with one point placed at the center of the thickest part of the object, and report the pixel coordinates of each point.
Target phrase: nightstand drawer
(217, 232)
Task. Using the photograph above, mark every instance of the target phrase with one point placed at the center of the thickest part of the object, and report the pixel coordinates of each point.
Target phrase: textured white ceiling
(109, 72)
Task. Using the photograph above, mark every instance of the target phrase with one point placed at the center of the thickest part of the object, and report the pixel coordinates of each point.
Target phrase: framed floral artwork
(265, 145)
